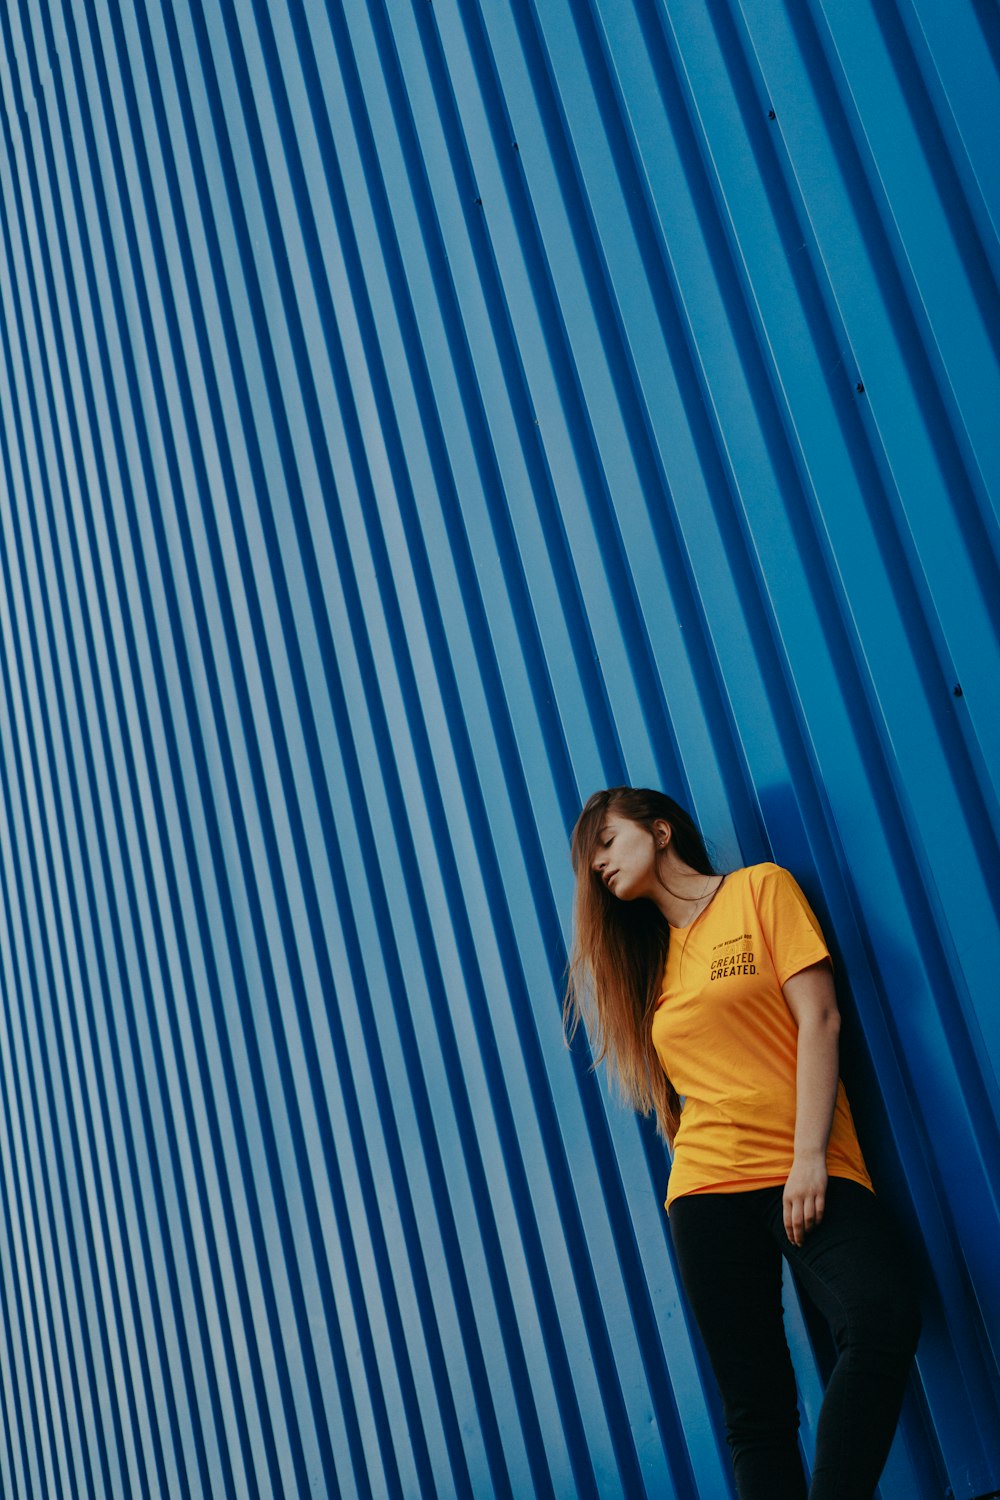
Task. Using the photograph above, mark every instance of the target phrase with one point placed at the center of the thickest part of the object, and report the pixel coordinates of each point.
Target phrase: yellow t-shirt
(727, 1040)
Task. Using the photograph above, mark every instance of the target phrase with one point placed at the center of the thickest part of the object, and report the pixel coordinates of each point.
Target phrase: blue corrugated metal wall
(413, 416)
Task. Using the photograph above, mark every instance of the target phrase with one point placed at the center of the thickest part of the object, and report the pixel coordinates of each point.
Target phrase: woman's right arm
(811, 998)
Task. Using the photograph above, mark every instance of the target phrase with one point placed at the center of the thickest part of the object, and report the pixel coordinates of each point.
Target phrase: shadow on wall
(893, 1115)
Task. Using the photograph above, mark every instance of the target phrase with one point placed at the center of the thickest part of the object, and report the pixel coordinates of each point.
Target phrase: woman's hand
(804, 1198)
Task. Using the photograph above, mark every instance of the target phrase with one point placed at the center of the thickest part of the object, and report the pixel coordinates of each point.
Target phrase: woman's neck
(683, 893)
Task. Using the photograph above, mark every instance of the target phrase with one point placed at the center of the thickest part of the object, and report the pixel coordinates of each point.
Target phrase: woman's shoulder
(769, 883)
(759, 874)
(765, 880)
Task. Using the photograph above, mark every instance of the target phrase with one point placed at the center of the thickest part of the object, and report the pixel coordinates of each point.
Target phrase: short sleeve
(789, 927)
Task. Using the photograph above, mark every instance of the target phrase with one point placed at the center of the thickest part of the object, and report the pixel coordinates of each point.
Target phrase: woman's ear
(662, 833)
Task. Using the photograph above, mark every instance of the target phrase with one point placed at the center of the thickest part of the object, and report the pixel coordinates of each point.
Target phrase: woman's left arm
(812, 1001)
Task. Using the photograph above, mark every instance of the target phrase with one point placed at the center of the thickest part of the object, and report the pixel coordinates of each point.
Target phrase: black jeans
(855, 1268)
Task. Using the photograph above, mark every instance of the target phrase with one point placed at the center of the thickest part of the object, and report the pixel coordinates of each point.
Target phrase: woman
(718, 990)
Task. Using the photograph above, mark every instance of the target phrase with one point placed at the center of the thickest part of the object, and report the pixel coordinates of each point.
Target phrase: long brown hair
(619, 953)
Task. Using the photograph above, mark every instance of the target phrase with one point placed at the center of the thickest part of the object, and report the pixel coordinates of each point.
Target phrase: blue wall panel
(411, 418)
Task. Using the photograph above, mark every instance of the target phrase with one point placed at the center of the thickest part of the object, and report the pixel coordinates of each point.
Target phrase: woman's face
(625, 857)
